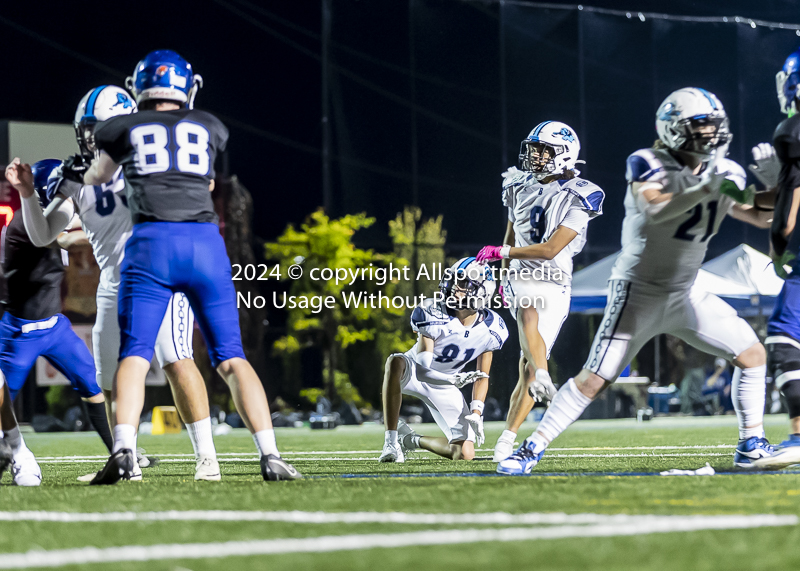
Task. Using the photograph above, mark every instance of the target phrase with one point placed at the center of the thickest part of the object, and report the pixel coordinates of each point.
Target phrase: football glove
(746, 196)
(75, 167)
(461, 380)
(781, 262)
(476, 423)
(767, 167)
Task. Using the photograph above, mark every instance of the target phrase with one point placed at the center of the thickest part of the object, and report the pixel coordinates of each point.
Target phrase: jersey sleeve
(576, 219)
(220, 133)
(112, 137)
(586, 197)
(643, 166)
(498, 332)
(428, 324)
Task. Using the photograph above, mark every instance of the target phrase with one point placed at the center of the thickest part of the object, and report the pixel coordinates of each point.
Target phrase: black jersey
(787, 147)
(168, 161)
(33, 275)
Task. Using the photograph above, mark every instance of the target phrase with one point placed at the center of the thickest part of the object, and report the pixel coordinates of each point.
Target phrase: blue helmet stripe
(92, 99)
(539, 128)
(708, 96)
(465, 263)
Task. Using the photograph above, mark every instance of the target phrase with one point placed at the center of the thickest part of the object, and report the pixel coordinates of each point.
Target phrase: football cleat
(405, 436)
(392, 453)
(6, 456)
(503, 449)
(787, 454)
(274, 468)
(207, 469)
(119, 467)
(542, 388)
(751, 449)
(25, 470)
(522, 461)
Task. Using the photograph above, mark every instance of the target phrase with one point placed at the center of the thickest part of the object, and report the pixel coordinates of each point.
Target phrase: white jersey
(454, 344)
(537, 210)
(668, 254)
(106, 219)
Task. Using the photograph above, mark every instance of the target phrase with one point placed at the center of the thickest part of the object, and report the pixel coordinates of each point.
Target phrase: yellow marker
(166, 420)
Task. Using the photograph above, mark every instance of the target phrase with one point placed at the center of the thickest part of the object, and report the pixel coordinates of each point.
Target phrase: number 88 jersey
(168, 161)
(454, 344)
(668, 254)
(536, 210)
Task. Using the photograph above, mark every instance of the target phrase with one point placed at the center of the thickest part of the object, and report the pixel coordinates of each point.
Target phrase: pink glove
(502, 296)
(489, 254)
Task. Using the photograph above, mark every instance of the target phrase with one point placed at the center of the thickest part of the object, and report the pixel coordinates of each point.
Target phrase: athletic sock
(14, 438)
(202, 438)
(124, 437)
(265, 442)
(390, 437)
(749, 395)
(566, 407)
(99, 421)
(508, 436)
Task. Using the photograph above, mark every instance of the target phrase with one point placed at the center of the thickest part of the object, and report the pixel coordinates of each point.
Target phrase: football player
(678, 193)
(33, 326)
(106, 223)
(783, 328)
(454, 328)
(167, 152)
(549, 209)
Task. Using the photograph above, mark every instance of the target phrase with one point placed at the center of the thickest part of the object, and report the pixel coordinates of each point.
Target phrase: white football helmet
(472, 280)
(100, 104)
(550, 149)
(693, 120)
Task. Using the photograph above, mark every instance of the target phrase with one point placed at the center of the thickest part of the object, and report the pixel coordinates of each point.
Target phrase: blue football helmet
(163, 74)
(788, 83)
(44, 172)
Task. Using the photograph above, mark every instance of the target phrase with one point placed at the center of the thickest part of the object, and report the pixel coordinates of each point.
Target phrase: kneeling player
(453, 331)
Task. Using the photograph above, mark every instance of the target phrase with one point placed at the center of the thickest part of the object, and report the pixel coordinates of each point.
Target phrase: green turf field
(474, 519)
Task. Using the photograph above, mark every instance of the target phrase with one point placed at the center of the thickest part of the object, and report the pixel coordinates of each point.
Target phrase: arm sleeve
(44, 227)
(112, 137)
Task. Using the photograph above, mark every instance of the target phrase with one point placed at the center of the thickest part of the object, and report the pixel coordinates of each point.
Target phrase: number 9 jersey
(174, 152)
(536, 210)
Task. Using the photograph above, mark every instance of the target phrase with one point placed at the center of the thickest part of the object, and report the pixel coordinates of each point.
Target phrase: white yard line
(320, 517)
(377, 451)
(170, 460)
(332, 543)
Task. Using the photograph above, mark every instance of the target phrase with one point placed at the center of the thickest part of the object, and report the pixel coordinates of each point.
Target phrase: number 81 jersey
(454, 344)
(168, 161)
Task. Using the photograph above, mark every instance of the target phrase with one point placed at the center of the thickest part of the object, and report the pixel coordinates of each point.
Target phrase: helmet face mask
(787, 83)
(550, 149)
(84, 132)
(693, 120)
(467, 285)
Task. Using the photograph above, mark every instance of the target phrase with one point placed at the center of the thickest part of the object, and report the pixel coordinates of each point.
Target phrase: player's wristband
(477, 405)
(504, 251)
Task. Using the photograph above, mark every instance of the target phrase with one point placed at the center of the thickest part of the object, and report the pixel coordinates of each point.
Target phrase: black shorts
(783, 359)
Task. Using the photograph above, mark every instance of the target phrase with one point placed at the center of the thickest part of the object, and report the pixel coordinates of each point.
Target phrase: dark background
(427, 99)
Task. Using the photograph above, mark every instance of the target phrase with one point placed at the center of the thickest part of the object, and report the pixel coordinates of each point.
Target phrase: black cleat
(119, 467)
(274, 468)
(7, 456)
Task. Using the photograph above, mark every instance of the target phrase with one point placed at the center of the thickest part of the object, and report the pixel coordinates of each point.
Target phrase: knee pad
(791, 392)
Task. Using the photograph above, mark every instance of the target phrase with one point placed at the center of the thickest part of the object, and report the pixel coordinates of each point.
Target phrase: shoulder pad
(587, 195)
(497, 329)
(428, 314)
(643, 166)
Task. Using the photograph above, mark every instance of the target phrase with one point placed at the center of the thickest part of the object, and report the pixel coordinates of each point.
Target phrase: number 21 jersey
(168, 161)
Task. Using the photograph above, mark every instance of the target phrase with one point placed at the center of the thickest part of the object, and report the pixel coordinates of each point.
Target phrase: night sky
(261, 65)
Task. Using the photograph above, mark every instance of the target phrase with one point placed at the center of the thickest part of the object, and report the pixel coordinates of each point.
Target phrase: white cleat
(503, 449)
(392, 453)
(782, 458)
(207, 469)
(542, 388)
(405, 436)
(25, 470)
